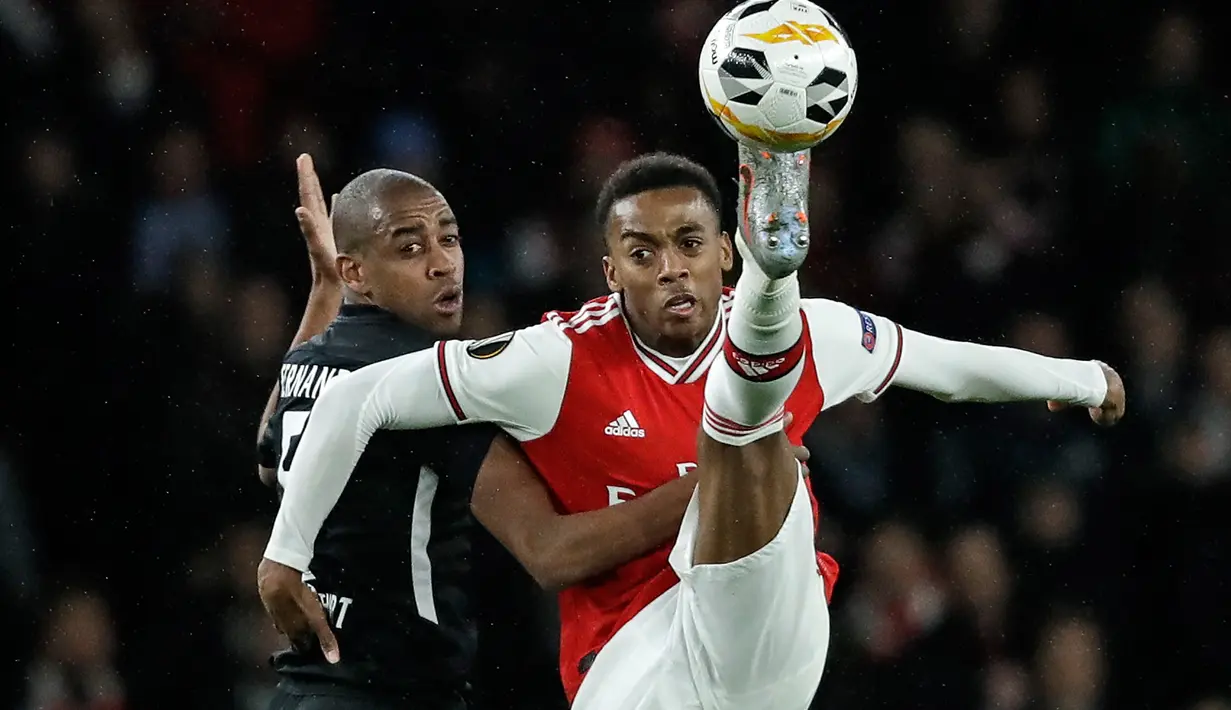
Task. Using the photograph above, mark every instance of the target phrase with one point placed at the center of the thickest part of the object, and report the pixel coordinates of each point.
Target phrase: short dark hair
(655, 171)
(353, 223)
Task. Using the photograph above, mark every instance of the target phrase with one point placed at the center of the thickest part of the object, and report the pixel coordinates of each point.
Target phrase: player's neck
(354, 298)
(668, 345)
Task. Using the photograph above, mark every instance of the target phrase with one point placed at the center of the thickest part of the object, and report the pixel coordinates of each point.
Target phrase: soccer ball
(778, 75)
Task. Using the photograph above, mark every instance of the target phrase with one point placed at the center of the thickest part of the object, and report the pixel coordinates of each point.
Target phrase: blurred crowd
(1035, 173)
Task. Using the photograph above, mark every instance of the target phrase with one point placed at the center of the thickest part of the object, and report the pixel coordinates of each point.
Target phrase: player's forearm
(580, 546)
(267, 474)
(324, 302)
(397, 393)
(967, 372)
(271, 406)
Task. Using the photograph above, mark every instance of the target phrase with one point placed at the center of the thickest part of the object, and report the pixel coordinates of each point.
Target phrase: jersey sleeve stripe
(442, 369)
(727, 426)
(594, 313)
(897, 360)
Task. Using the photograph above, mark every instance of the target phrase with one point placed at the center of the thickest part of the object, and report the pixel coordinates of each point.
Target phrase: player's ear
(613, 279)
(726, 257)
(352, 273)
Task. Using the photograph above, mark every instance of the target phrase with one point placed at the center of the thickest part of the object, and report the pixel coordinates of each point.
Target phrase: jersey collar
(691, 368)
(364, 310)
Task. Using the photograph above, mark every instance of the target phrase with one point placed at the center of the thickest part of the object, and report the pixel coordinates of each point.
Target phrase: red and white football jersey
(604, 419)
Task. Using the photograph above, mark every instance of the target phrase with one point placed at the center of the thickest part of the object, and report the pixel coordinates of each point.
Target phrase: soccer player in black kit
(391, 585)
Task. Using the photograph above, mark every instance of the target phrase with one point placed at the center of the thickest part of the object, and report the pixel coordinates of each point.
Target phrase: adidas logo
(625, 425)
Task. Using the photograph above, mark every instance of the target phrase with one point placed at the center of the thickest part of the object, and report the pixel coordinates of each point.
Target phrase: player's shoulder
(367, 334)
(835, 317)
(592, 314)
(856, 351)
(597, 327)
(316, 355)
(516, 379)
(305, 371)
(357, 342)
(827, 309)
(316, 352)
(543, 346)
(834, 324)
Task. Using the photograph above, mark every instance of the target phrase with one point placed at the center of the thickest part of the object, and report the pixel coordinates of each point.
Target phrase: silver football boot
(773, 209)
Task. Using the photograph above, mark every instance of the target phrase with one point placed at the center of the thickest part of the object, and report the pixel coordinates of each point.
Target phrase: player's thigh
(759, 624)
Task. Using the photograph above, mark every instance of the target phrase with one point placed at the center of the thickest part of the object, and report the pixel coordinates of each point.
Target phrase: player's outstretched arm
(401, 393)
(324, 299)
(515, 380)
(968, 372)
(447, 384)
(860, 354)
(560, 550)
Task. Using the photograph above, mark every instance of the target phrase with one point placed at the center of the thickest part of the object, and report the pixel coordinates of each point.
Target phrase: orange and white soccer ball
(778, 75)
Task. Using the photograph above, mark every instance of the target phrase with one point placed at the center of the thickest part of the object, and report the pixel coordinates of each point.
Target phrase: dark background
(1038, 173)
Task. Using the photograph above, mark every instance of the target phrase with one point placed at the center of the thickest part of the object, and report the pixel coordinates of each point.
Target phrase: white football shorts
(751, 634)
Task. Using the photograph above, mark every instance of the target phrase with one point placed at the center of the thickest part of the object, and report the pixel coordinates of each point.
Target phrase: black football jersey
(392, 560)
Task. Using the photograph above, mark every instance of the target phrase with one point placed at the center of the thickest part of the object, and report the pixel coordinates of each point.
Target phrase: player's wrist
(286, 558)
(1099, 385)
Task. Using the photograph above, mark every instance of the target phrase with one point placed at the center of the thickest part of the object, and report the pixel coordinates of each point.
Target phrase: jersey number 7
(293, 424)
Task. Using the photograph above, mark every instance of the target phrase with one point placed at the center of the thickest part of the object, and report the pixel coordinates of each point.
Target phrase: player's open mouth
(449, 301)
(682, 305)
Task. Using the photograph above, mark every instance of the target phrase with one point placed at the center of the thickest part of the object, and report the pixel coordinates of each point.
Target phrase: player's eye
(692, 243)
(451, 239)
(640, 254)
(413, 248)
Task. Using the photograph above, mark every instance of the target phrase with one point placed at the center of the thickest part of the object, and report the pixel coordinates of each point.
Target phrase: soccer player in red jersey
(605, 402)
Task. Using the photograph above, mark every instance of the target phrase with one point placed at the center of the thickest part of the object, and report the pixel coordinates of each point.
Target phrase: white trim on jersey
(590, 315)
(693, 367)
(420, 536)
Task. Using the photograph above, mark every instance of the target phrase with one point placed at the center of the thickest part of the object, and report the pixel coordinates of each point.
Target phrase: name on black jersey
(306, 380)
(335, 606)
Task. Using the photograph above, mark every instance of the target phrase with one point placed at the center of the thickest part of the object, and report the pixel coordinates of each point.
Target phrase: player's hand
(295, 609)
(801, 452)
(1112, 409)
(313, 217)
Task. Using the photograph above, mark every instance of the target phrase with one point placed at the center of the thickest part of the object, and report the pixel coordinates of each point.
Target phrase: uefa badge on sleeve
(869, 331)
(489, 348)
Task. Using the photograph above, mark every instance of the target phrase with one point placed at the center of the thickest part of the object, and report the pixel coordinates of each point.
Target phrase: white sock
(764, 350)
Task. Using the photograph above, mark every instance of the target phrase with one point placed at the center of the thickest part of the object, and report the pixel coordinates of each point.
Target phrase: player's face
(665, 252)
(414, 265)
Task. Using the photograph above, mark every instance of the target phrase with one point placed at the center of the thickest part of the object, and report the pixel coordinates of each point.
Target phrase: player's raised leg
(753, 612)
(749, 477)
